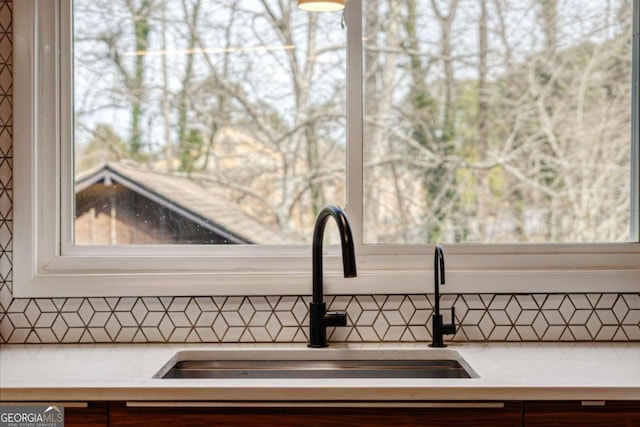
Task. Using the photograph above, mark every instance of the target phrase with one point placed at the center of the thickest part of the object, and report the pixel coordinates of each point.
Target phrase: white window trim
(47, 265)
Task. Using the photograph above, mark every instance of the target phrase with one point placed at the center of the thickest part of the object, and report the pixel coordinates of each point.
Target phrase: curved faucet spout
(438, 274)
(346, 240)
(319, 318)
(439, 328)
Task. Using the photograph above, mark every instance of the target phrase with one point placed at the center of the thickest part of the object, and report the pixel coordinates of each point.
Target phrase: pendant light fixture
(321, 5)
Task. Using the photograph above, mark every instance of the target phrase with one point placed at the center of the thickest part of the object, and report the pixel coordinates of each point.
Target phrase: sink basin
(317, 369)
(420, 364)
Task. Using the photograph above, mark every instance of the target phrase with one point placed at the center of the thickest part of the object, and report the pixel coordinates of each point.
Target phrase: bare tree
(485, 120)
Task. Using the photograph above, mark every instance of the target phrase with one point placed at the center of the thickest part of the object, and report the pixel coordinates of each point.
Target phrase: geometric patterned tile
(152, 334)
(139, 311)
(380, 326)
(620, 309)
(486, 325)
(500, 317)
(72, 320)
(113, 327)
(471, 317)
(273, 327)
(527, 302)
(553, 317)
(32, 312)
(606, 333)
(580, 317)
(580, 333)
(236, 334)
(632, 332)
(245, 311)
(607, 317)
(407, 310)
(86, 311)
(500, 333)
(513, 309)
(552, 302)
(5, 297)
(300, 310)
(125, 319)
(474, 302)
(153, 319)
(593, 325)
(567, 309)
(607, 301)
(394, 317)
(620, 335)
(355, 312)
(632, 301)
(540, 325)
(499, 303)
(526, 333)
(632, 318)
(220, 327)
(374, 318)
(554, 333)
(583, 301)
(526, 317)
(165, 327)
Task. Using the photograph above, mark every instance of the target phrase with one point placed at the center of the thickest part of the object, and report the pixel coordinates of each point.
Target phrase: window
(501, 130)
(232, 110)
(498, 121)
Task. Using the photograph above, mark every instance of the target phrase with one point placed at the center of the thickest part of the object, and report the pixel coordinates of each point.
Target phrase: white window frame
(46, 264)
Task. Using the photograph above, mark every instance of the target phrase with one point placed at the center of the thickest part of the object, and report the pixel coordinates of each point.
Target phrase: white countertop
(507, 371)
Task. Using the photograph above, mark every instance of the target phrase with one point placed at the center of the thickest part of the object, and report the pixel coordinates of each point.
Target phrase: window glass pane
(206, 121)
(497, 121)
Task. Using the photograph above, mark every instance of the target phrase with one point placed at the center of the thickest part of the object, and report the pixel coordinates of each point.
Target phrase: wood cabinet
(436, 414)
(389, 414)
(94, 414)
(583, 414)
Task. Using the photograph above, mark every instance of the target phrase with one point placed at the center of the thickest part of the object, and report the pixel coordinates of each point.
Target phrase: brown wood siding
(113, 214)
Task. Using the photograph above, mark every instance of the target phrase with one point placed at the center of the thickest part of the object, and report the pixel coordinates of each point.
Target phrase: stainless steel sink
(217, 366)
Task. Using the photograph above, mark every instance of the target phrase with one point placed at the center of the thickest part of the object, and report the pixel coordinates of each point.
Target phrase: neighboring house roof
(204, 205)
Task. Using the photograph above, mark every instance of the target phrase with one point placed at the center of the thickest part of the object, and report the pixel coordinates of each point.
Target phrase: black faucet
(319, 318)
(440, 329)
